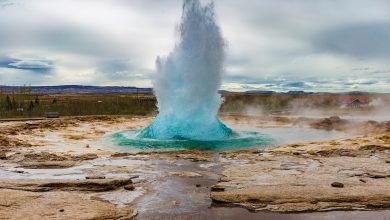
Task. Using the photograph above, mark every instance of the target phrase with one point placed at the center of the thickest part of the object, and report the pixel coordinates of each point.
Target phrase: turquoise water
(187, 82)
(131, 140)
(170, 127)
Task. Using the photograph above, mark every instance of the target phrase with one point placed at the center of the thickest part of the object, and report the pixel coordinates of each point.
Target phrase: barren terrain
(65, 169)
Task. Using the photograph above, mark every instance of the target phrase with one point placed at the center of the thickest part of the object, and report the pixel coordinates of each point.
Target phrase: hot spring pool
(131, 141)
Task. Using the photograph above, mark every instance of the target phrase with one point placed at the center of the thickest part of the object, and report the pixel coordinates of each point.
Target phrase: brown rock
(121, 154)
(287, 198)
(95, 185)
(84, 157)
(184, 174)
(57, 205)
(217, 188)
(3, 156)
(46, 160)
(48, 164)
(337, 185)
(95, 177)
(129, 187)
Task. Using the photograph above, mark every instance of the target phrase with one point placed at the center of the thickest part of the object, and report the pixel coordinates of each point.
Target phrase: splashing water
(188, 80)
(186, 87)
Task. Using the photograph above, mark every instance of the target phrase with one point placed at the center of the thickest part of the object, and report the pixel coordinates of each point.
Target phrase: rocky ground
(63, 169)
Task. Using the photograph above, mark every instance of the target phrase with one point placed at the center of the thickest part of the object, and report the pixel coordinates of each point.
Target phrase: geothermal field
(187, 149)
(321, 168)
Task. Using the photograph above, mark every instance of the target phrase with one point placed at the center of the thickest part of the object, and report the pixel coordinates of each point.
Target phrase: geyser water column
(186, 86)
(188, 80)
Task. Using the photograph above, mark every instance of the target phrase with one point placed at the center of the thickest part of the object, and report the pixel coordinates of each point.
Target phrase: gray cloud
(324, 45)
(301, 85)
(4, 61)
(6, 3)
(33, 65)
(366, 41)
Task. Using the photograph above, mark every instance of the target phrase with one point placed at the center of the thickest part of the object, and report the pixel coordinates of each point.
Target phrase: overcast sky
(281, 45)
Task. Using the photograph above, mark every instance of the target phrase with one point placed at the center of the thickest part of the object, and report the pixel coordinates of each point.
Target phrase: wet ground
(167, 189)
(71, 170)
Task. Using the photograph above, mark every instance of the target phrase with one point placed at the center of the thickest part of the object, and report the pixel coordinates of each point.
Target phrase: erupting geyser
(188, 80)
(186, 87)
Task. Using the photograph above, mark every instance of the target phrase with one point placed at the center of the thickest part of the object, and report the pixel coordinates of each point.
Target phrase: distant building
(355, 104)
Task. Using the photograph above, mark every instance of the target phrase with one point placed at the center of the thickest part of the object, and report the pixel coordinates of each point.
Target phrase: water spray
(188, 80)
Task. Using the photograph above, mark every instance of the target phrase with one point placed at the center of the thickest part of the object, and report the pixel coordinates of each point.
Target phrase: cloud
(4, 61)
(33, 65)
(118, 68)
(323, 45)
(367, 41)
(297, 85)
(6, 3)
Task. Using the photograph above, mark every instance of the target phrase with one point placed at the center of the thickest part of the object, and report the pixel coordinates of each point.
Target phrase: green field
(20, 105)
(23, 103)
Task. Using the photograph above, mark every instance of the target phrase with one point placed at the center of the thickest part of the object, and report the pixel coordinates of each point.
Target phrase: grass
(23, 104)
(28, 105)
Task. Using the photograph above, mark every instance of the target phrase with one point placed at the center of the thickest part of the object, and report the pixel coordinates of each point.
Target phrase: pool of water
(132, 141)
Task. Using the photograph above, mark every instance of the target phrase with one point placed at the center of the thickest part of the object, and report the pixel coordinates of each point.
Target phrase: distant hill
(77, 89)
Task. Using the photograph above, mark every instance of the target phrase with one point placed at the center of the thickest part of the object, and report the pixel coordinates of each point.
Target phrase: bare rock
(95, 185)
(84, 157)
(184, 174)
(334, 122)
(129, 187)
(373, 147)
(57, 205)
(13, 142)
(217, 188)
(3, 156)
(95, 177)
(46, 160)
(337, 185)
(288, 198)
(48, 164)
(121, 154)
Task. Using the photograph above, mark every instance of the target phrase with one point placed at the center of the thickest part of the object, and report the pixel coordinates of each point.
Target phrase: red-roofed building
(353, 102)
